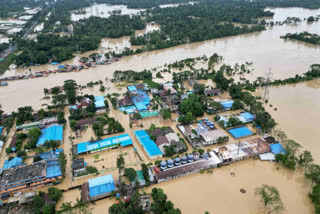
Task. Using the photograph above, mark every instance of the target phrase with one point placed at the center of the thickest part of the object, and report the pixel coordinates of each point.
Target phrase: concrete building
(214, 137)
(78, 166)
(98, 188)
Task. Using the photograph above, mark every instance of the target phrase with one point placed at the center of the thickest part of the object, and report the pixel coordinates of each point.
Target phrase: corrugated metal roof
(100, 180)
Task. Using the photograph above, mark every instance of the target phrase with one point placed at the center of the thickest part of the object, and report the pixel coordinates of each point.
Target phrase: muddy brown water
(297, 113)
(265, 49)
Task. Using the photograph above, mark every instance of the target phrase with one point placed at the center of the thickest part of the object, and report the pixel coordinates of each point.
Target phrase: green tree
(305, 158)
(63, 162)
(237, 104)
(120, 162)
(291, 146)
(270, 197)
(315, 197)
(53, 144)
(45, 91)
(130, 173)
(312, 172)
(48, 209)
(54, 193)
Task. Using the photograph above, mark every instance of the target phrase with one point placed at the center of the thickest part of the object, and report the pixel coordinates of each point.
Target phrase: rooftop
(22, 173)
(213, 135)
(101, 185)
(78, 163)
(123, 140)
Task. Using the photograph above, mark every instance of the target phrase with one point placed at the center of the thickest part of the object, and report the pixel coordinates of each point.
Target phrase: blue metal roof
(99, 104)
(247, 116)
(149, 145)
(240, 132)
(227, 104)
(101, 185)
(16, 161)
(1, 128)
(123, 140)
(50, 133)
(53, 169)
(277, 149)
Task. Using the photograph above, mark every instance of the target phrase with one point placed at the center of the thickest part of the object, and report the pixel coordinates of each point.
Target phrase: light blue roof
(101, 185)
(128, 109)
(99, 104)
(98, 98)
(277, 149)
(73, 107)
(100, 180)
(50, 133)
(16, 161)
(47, 155)
(123, 140)
(132, 88)
(149, 145)
(227, 104)
(141, 101)
(247, 116)
(53, 169)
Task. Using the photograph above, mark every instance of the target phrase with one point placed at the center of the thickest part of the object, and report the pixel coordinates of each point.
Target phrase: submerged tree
(270, 197)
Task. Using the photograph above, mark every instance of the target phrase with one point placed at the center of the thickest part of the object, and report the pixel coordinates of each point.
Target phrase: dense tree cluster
(304, 37)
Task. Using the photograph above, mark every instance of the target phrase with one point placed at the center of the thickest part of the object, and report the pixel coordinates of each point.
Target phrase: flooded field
(298, 113)
(217, 191)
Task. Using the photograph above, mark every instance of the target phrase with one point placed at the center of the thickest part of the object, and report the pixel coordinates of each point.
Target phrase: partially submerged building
(107, 143)
(242, 150)
(28, 176)
(149, 146)
(227, 105)
(168, 87)
(139, 97)
(99, 103)
(78, 166)
(14, 162)
(212, 92)
(97, 188)
(214, 137)
(27, 126)
(211, 161)
(54, 132)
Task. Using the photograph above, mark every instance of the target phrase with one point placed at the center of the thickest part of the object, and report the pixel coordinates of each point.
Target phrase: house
(214, 137)
(78, 166)
(101, 187)
(161, 142)
(172, 137)
(126, 101)
(85, 121)
(178, 146)
(99, 103)
(212, 92)
(167, 87)
(84, 102)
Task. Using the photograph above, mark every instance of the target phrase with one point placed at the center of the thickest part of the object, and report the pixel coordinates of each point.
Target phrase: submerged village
(103, 145)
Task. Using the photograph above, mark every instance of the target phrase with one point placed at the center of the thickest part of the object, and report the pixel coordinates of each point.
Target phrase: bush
(91, 169)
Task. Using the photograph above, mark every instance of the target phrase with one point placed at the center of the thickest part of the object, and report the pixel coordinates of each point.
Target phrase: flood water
(219, 192)
(298, 113)
(265, 49)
